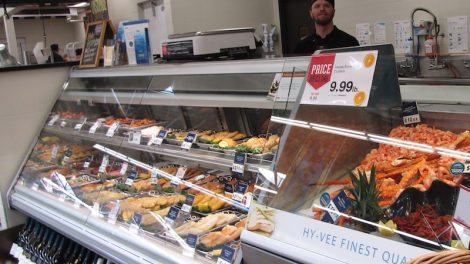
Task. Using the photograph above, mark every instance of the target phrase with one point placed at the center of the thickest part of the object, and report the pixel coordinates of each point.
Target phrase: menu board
(96, 33)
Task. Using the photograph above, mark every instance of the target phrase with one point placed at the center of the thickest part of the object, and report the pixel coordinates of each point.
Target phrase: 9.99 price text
(343, 87)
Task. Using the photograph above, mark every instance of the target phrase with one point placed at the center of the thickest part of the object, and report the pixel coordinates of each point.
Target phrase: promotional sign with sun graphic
(340, 79)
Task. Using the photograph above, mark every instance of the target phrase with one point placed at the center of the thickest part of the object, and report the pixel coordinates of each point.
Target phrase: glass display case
(361, 176)
(154, 163)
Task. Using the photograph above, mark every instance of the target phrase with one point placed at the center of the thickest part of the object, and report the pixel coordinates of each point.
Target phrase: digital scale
(235, 42)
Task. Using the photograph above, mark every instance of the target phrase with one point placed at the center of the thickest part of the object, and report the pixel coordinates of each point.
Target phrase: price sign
(188, 141)
(158, 139)
(63, 124)
(124, 168)
(240, 192)
(191, 241)
(340, 203)
(87, 162)
(181, 171)
(340, 79)
(228, 188)
(462, 214)
(188, 204)
(53, 120)
(94, 127)
(227, 255)
(55, 151)
(61, 179)
(153, 176)
(112, 129)
(172, 215)
(238, 165)
(135, 137)
(77, 203)
(13, 249)
(136, 220)
(466, 167)
(112, 216)
(79, 126)
(66, 158)
(132, 176)
(410, 113)
(62, 197)
(104, 164)
(35, 187)
(95, 210)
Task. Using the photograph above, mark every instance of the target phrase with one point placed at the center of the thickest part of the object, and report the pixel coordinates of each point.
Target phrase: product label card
(104, 164)
(94, 127)
(87, 162)
(188, 204)
(181, 171)
(462, 214)
(340, 203)
(287, 85)
(188, 141)
(53, 120)
(135, 225)
(112, 216)
(227, 255)
(192, 240)
(410, 113)
(340, 79)
(79, 126)
(63, 124)
(124, 168)
(112, 129)
(55, 151)
(158, 140)
(238, 165)
(172, 215)
(153, 176)
(228, 188)
(240, 191)
(135, 138)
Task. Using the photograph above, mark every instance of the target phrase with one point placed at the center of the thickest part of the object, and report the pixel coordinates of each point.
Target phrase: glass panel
(354, 167)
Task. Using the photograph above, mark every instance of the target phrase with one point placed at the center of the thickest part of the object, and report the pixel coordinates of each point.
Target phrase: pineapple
(365, 203)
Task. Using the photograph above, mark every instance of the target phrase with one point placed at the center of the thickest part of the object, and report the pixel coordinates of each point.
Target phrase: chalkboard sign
(96, 33)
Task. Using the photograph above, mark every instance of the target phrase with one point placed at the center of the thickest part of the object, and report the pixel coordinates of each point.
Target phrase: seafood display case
(142, 164)
(353, 183)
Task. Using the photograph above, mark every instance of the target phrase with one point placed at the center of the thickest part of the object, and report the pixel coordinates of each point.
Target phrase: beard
(324, 21)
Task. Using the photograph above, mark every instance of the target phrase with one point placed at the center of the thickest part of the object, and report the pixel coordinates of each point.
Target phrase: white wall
(349, 13)
(57, 31)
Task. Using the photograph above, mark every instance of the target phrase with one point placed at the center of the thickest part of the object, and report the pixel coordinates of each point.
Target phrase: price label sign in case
(53, 120)
(340, 79)
(135, 138)
(94, 127)
(227, 255)
(158, 139)
(238, 165)
(410, 113)
(172, 215)
(136, 220)
(240, 191)
(112, 130)
(188, 141)
(188, 204)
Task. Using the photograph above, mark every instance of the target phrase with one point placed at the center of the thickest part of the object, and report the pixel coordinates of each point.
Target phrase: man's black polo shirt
(336, 39)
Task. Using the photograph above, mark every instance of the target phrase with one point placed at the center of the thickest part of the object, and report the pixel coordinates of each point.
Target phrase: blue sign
(342, 202)
(191, 240)
(227, 254)
(457, 168)
(137, 219)
(162, 134)
(132, 174)
(241, 188)
(325, 199)
(173, 213)
(228, 188)
(327, 218)
(190, 137)
(189, 200)
(240, 158)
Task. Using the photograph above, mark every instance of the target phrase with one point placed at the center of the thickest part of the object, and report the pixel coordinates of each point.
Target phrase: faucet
(434, 65)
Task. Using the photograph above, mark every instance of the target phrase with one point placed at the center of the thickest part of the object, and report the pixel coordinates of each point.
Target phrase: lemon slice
(223, 144)
(457, 244)
(388, 228)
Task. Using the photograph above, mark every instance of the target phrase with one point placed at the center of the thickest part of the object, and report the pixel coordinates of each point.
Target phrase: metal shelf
(201, 156)
(199, 100)
(112, 241)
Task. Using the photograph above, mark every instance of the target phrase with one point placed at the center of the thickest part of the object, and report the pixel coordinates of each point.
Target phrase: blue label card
(173, 213)
(188, 204)
(241, 188)
(228, 188)
(325, 199)
(238, 166)
(227, 254)
(188, 141)
(135, 225)
(342, 202)
(132, 175)
(162, 134)
(410, 113)
(192, 240)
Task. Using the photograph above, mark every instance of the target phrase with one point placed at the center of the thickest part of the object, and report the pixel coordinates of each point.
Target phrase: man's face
(322, 12)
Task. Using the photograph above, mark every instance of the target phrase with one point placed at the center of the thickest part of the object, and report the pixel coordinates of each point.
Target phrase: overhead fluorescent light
(82, 4)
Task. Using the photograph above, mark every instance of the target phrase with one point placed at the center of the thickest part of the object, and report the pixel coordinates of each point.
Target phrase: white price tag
(35, 187)
(180, 172)
(340, 79)
(462, 214)
(112, 129)
(135, 137)
(407, 120)
(55, 151)
(94, 127)
(222, 261)
(86, 164)
(63, 124)
(102, 169)
(62, 197)
(104, 163)
(53, 120)
(124, 168)
(237, 197)
(77, 203)
(13, 249)
(112, 217)
(158, 139)
(79, 126)
(95, 210)
(240, 168)
(134, 227)
(129, 181)
(169, 221)
(188, 141)
(466, 168)
(186, 208)
(153, 177)
(186, 145)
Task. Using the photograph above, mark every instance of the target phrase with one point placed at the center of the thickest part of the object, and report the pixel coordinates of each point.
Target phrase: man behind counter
(326, 35)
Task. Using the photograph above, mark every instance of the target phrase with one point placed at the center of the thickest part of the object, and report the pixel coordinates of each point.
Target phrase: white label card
(77, 203)
(129, 181)
(79, 126)
(53, 120)
(112, 217)
(112, 130)
(180, 172)
(462, 214)
(35, 187)
(95, 209)
(340, 79)
(63, 124)
(55, 151)
(153, 177)
(124, 168)
(94, 127)
(104, 163)
(135, 137)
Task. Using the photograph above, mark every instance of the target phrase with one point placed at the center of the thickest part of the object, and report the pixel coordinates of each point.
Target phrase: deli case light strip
(169, 176)
(374, 138)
